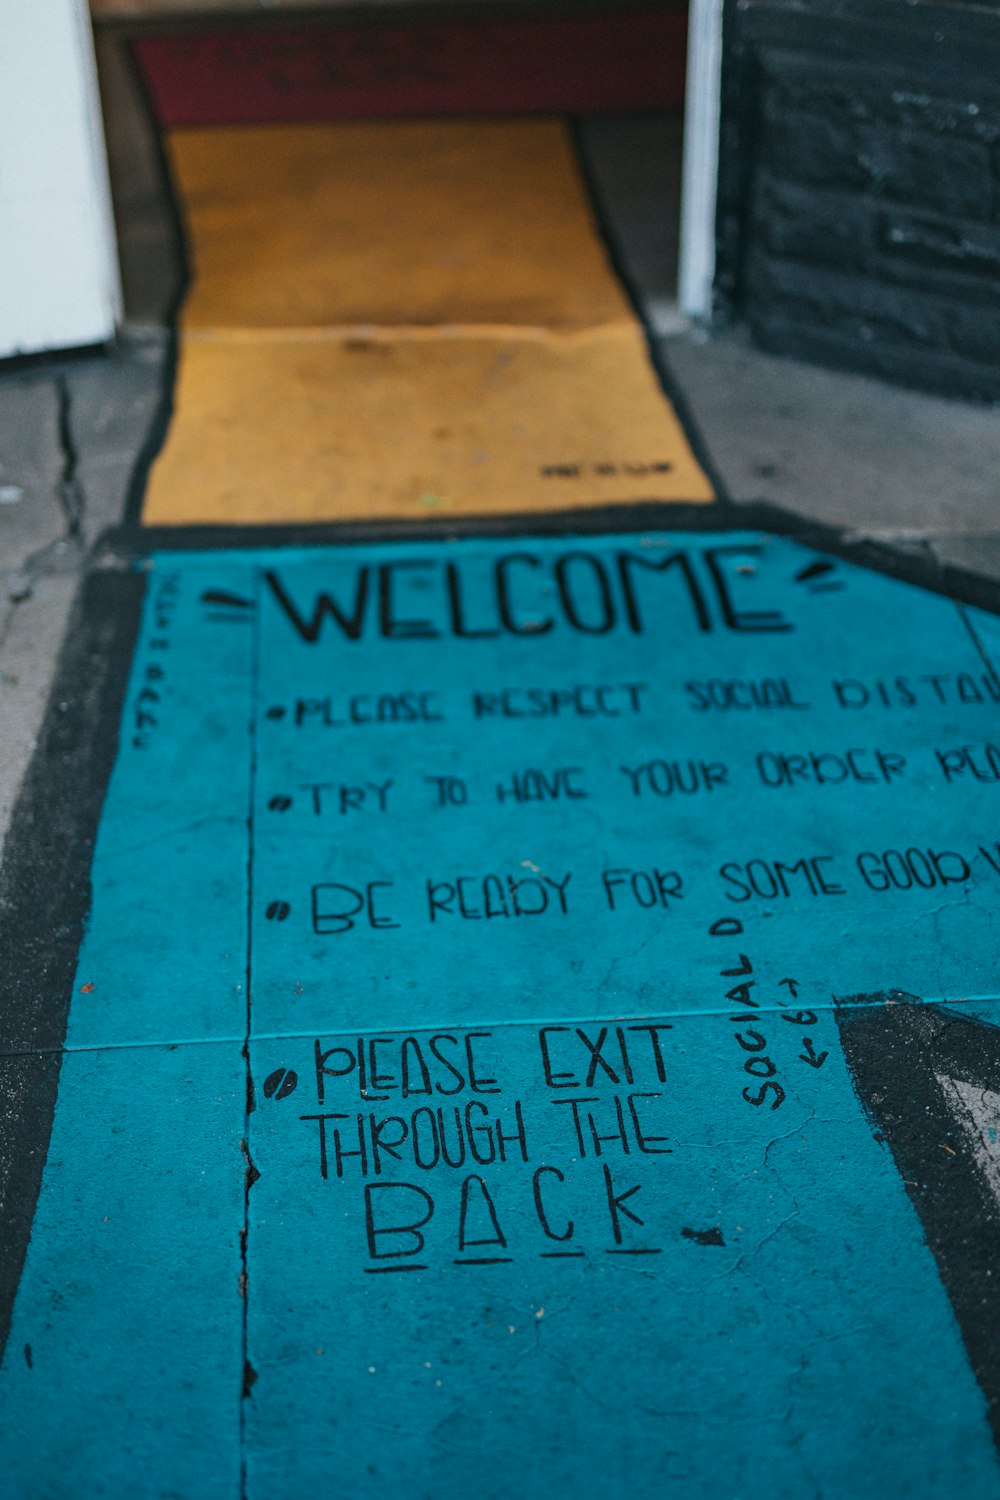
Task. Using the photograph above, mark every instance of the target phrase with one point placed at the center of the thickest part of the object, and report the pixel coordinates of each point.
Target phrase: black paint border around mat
(920, 568)
(45, 890)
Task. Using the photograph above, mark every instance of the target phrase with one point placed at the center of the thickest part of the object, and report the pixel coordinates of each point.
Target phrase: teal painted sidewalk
(463, 1086)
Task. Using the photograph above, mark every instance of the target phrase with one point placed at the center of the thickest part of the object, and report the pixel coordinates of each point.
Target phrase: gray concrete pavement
(846, 450)
(70, 436)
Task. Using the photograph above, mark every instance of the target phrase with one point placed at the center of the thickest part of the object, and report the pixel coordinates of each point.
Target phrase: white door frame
(699, 184)
(59, 281)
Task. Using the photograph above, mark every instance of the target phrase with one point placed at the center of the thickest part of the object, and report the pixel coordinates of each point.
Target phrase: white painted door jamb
(701, 159)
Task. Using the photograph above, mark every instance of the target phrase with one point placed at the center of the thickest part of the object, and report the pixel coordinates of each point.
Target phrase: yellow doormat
(403, 320)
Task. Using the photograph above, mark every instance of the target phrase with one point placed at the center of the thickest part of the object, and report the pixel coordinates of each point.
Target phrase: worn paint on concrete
(476, 1045)
(405, 319)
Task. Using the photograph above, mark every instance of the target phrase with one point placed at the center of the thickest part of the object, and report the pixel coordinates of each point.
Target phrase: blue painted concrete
(304, 851)
(804, 1346)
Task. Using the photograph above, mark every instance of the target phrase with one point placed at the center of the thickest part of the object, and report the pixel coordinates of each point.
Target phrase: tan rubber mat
(403, 319)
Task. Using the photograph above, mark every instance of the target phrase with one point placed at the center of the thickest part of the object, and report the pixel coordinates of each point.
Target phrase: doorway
(616, 71)
(491, 204)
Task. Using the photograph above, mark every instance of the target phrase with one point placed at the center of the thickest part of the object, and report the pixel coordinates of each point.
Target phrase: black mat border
(915, 565)
(45, 889)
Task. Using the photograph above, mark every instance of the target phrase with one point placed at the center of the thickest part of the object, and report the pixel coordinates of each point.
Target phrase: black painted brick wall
(872, 217)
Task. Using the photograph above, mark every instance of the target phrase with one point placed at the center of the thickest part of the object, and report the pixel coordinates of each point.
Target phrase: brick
(886, 327)
(889, 97)
(862, 308)
(911, 108)
(974, 333)
(952, 176)
(936, 242)
(874, 224)
(927, 370)
(810, 149)
(805, 224)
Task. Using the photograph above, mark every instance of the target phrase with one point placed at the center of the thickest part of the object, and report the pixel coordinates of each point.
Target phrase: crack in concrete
(70, 492)
(66, 553)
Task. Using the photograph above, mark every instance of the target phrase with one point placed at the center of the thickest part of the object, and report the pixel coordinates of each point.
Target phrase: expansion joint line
(250, 1174)
(973, 635)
